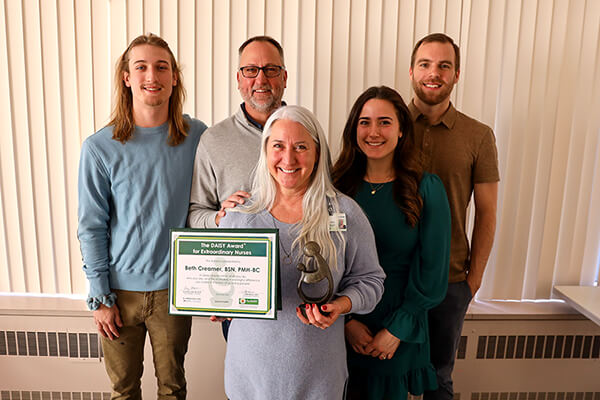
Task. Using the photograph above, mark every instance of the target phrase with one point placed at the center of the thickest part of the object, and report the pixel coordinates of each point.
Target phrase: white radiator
(508, 358)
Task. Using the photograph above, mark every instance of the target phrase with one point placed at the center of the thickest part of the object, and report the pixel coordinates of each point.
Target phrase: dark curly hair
(351, 166)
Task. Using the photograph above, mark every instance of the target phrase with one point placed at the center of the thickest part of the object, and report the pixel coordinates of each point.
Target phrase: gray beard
(262, 107)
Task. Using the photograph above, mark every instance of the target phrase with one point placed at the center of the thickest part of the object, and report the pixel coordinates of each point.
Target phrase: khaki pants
(143, 312)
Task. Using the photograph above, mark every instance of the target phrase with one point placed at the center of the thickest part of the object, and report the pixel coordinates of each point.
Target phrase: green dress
(415, 261)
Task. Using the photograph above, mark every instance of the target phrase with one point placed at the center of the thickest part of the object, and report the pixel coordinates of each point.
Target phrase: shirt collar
(249, 118)
(448, 119)
(253, 121)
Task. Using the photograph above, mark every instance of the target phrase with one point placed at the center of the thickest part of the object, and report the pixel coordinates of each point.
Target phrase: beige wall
(531, 70)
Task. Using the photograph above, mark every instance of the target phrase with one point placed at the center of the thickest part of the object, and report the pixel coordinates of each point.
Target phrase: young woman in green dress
(388, 349)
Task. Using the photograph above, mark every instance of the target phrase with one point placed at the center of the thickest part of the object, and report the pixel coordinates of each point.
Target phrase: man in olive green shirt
(462, 152)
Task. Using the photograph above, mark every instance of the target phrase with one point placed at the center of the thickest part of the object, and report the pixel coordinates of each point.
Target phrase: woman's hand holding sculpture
(340, 305)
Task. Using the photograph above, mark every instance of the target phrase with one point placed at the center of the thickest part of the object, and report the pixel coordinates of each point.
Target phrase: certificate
(224, 272)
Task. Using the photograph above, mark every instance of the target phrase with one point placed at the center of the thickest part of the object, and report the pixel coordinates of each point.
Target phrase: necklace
(288, 256)
(377, 186)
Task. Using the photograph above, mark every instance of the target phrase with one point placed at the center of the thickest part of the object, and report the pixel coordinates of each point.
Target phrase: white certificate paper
(224, 272)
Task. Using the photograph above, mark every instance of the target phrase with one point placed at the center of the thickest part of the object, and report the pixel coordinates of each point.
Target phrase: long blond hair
(122, 114)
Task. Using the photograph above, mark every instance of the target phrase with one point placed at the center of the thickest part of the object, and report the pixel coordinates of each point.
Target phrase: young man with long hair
(134, 185)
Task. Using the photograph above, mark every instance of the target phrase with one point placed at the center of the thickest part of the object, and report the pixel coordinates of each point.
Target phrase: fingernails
(324, 308)
(308, 306)
(297, 309)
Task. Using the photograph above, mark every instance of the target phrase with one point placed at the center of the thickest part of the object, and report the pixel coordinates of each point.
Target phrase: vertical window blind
(530, 69)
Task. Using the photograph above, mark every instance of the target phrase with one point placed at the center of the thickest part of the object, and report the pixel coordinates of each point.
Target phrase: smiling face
(378, 130)
(150, 76)
(261, 94)
(434, 73)
(291, 156)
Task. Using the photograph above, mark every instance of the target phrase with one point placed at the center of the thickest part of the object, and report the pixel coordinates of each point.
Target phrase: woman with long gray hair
(301, 355)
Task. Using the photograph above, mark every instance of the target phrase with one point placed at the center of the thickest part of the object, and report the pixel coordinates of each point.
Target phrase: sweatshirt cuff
(99, 282)
(356, 299)
(108, 300)
(210, 221)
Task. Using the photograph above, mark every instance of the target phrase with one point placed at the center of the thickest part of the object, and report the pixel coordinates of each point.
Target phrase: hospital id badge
(337, 222)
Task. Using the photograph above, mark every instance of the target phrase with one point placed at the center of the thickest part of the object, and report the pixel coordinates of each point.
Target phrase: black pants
(445, 327)
(225, 328)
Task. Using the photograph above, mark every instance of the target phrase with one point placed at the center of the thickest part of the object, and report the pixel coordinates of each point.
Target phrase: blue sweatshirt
(130, 195)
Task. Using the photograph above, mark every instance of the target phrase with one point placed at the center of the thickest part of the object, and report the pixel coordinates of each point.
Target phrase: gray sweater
(283, 358)
(225, 158)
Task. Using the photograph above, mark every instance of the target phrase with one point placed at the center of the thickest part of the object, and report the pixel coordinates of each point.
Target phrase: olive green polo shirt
(462, 152)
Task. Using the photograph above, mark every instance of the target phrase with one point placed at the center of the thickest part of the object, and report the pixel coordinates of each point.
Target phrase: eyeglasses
(270, 71)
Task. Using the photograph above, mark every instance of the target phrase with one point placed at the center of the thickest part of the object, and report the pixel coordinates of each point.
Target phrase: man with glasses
(229, 150)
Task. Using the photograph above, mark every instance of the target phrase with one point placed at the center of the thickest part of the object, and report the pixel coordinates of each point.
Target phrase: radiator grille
(41, 395)
(87, 345)
(536, 396)
(11, 343)
(538, 347)
(49, 344)
(462, 348)
(420, 397)
(2, 344)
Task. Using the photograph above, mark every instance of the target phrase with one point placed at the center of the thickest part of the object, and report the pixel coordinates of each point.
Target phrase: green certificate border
(268, 236)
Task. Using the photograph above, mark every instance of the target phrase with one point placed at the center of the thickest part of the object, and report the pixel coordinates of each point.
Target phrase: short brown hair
(122, 115)
(263, 38)
(440, 38)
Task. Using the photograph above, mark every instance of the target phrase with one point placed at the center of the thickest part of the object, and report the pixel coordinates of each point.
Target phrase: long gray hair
(320, 194)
